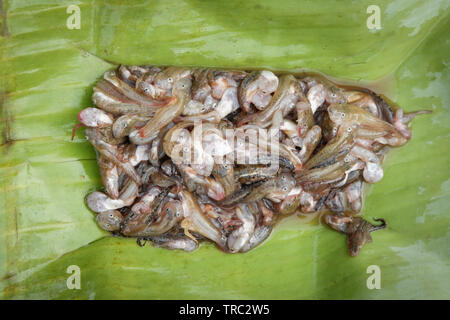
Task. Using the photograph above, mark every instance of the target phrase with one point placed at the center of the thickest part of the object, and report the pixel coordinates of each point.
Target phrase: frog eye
(285, 189)
(349, 129)
(111, 215)
(333, 95)
(146, 90)
(283, 177)
(170, 80)
(342, 115)
(346, 159)
(107, 225)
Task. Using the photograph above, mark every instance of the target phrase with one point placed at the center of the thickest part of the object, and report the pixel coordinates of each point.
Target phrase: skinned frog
(283, 100)
(165, 115)
(99, 202)
(371, 127)
(117, 97)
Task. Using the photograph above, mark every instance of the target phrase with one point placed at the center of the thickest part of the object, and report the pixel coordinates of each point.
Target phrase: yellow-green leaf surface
(47, 75)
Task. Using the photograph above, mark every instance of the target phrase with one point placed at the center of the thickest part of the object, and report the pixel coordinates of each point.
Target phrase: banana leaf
(47, 74)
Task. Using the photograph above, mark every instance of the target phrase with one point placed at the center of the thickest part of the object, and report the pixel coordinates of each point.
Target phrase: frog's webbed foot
(382, 226)
(187, 225)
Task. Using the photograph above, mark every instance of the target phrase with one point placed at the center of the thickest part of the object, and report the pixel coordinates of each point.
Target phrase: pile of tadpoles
(190, 154)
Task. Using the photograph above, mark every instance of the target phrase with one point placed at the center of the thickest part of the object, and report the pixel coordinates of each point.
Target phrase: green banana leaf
(47, 75)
